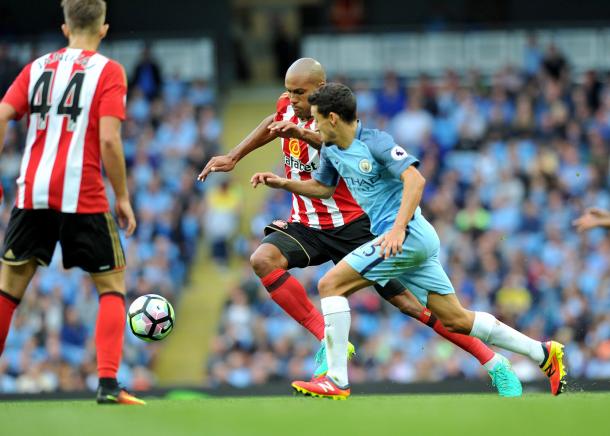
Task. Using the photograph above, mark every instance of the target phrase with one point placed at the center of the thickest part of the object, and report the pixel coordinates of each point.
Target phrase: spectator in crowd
(532, 56)
(147, 75)
(222, 218)
(554, 63)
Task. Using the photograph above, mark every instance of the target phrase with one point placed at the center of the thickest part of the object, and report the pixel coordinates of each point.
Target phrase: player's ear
(333, 118)
(65, 30)
(104, 30)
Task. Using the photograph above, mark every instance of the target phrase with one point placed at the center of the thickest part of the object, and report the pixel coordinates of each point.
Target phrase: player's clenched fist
(222, 164)
(269, 179)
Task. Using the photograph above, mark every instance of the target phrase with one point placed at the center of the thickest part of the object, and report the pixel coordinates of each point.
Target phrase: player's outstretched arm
(413, 188)
(593, 217)
(114, 164)
(258, 137)
(309, 188)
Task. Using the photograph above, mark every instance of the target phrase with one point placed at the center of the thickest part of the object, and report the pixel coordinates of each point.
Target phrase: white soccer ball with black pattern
(151, 317)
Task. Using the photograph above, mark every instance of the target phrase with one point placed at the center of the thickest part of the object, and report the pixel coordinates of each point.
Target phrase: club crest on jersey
(399, 153)
(365, 166)
(295, 147)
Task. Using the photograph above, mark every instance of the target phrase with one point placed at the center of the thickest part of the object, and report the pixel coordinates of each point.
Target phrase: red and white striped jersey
(64, 94)
(300, 160)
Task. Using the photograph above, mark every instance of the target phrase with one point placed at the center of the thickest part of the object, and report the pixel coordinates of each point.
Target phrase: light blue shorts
(417, 267)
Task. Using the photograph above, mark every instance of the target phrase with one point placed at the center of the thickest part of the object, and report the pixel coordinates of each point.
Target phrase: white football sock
(488, 329)
(337, 321)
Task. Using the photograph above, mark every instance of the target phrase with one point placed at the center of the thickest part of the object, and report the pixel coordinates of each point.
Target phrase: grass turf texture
(535, 414)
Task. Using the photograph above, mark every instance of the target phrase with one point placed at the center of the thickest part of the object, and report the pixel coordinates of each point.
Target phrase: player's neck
(346, 132)
(84, 42)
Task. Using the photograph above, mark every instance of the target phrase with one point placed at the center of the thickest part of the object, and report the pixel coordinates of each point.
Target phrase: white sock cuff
(332, 305)
(483, 325)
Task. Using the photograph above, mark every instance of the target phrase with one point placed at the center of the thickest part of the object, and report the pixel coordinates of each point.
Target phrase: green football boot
(505, 380)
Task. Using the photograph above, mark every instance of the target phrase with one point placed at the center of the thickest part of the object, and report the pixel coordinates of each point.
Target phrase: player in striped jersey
(325, 230)
(74, 100)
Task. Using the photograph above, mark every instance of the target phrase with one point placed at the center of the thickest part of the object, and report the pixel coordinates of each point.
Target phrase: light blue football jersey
(371, 167)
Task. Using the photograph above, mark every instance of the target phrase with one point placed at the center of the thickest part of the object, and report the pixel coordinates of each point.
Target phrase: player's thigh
(14, 279)
(30, 234)
(92, 243)
(298, 244)
(113, 281)
(343, 240)
(341, 280)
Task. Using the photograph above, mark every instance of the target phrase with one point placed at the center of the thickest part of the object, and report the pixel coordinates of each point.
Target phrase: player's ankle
(108, 383)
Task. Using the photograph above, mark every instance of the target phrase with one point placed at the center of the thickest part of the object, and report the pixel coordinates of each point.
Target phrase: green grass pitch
(441, 415)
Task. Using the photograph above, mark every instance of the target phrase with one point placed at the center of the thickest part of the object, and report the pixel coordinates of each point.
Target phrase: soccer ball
(151, 317)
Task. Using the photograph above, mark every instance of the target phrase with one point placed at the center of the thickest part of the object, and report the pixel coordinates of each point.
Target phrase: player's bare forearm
(288, 129)
(312, 138)
(7, 113)
(113, 157)
(309, 188)
(258, 137)
(413, 188)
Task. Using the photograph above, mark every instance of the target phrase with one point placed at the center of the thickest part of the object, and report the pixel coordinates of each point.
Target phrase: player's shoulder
(376, 139)
(111, 69)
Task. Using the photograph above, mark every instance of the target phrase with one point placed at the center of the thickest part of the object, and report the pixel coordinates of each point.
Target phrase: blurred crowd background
(510, 160)
(513, 136)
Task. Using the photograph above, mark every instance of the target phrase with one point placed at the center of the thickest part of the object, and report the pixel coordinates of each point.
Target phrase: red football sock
(291, 296)
(109, 331)
(467, 343)
(8, 303)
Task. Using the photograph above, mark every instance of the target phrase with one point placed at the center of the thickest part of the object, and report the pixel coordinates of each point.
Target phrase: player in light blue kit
(384, 180)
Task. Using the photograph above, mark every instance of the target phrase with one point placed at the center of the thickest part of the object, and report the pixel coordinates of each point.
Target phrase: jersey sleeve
(281, 107)
(17, 94)
(392, 156)
(113, 91)
(326, 174)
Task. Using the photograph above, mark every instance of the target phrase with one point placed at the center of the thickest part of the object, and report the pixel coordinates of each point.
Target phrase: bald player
(322, 230)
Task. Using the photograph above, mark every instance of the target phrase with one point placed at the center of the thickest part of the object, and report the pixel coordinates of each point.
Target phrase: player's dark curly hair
(337, 98)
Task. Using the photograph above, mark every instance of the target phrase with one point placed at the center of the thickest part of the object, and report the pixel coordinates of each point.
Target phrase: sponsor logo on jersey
(365, 166)
(298, 165)
(364, 184)
(295, 147)
(399, 153)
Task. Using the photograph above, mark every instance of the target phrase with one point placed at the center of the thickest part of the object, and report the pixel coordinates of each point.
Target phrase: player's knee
(327, 286)
(265, 260)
